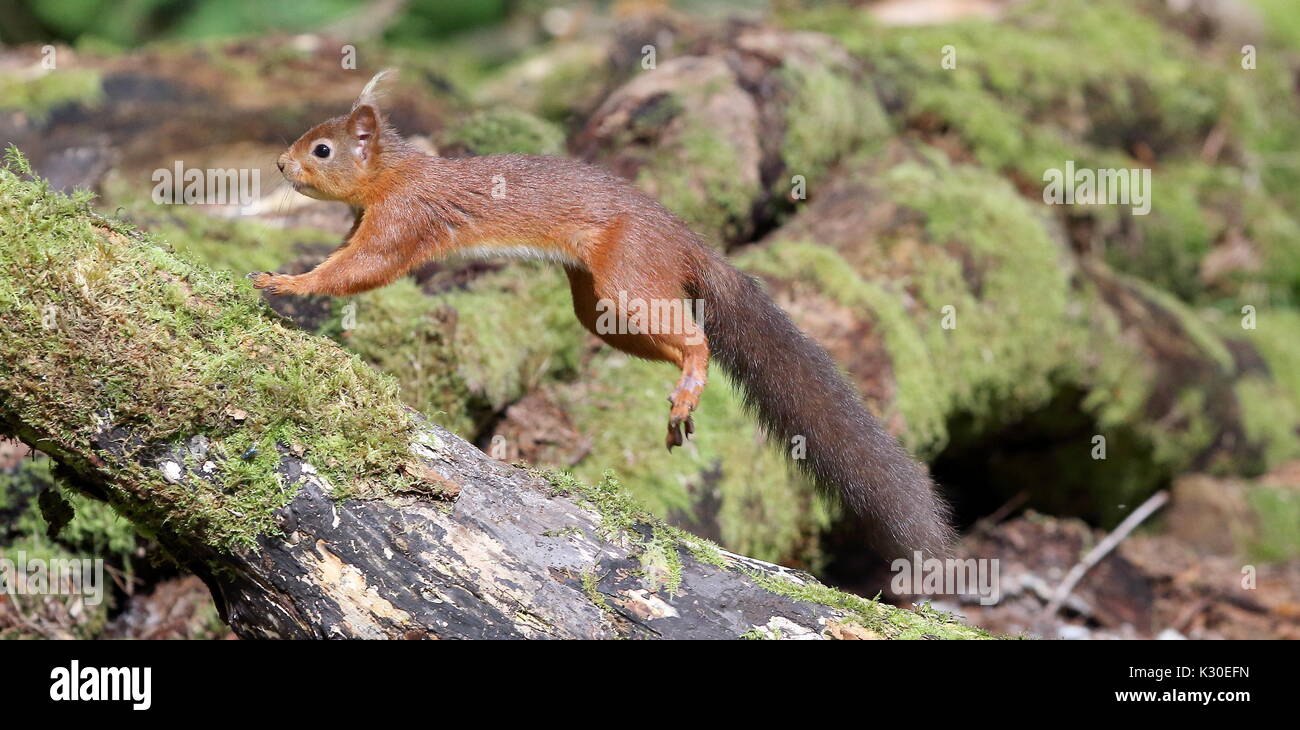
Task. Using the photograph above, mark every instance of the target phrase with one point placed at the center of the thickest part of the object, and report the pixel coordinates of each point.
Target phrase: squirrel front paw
(272, 283)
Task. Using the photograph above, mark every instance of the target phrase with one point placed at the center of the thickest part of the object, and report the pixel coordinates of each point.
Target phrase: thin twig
(1102, 549)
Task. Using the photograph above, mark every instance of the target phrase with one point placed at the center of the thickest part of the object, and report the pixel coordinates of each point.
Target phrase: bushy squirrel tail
(796, 390)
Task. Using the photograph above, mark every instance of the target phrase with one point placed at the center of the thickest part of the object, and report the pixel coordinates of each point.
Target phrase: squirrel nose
(280, 163)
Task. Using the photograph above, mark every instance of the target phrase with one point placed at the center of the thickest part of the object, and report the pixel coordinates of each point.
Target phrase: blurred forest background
(1174, 336)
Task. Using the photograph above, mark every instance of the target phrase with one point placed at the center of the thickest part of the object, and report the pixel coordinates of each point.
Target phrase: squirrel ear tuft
(369, 94)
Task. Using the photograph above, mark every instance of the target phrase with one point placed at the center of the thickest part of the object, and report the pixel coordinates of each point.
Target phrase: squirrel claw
(676, 426)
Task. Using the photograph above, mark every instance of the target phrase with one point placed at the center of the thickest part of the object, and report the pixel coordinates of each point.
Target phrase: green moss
(590, 587)
(924, 401)
(503, 130)
(1008, 339)
(1270, 402)
(888, 621)
(1103, 83)
(1012, 337)
(1015, 80)
(1198, 330)
(513, 329)
(555, 82)
(403, 332)
(450, 70)
(697, 179)
(1195, 206)
(1281, 22)
(624, 521)
(1176, 234)
(1175, 446)
(621, 515)
(828, 116)
(1275, 338)
(618, 510)
(661, 561)
(1031, 340)
(232, 244)
(1267, 128)
(40, 95)
(144, 341)
(1271, 419)
(1276, 512)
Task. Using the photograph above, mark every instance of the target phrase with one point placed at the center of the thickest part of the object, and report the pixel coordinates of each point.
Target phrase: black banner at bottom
(301, 680)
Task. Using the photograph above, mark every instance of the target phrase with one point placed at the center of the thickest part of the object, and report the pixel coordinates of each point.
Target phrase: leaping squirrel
(617, 245)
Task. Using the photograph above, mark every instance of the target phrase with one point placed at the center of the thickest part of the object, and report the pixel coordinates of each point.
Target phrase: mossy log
(290, 477)
(498, 554)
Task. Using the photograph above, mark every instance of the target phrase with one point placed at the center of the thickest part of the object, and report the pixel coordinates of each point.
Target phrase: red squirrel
(616, 244)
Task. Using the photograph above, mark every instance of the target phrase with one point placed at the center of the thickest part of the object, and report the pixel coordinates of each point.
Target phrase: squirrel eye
(322, 151)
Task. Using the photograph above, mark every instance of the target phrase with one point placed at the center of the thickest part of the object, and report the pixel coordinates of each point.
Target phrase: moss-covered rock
(499, 131)
(817, 102)
(1020, 101)
(688, 133)
(829, 115)
(40, 94)
(982, 329)
(1276, 511)
(556, 82)
(1270, 397)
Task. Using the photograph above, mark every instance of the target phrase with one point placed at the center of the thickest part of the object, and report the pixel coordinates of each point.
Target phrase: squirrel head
(334, 159)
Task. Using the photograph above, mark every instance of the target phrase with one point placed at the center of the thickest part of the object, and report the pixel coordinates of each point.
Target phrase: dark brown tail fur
(796, 390)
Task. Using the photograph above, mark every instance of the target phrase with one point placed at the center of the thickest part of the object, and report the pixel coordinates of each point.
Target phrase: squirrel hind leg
(676, 339)
(685, 398)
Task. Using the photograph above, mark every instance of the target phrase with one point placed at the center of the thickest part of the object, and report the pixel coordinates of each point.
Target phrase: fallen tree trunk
(289, 476)
(501, 553)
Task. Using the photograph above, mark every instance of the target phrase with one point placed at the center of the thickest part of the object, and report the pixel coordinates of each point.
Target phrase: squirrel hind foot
(679, 428)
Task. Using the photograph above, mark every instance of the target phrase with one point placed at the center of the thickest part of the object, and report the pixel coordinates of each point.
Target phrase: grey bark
(505, 557)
